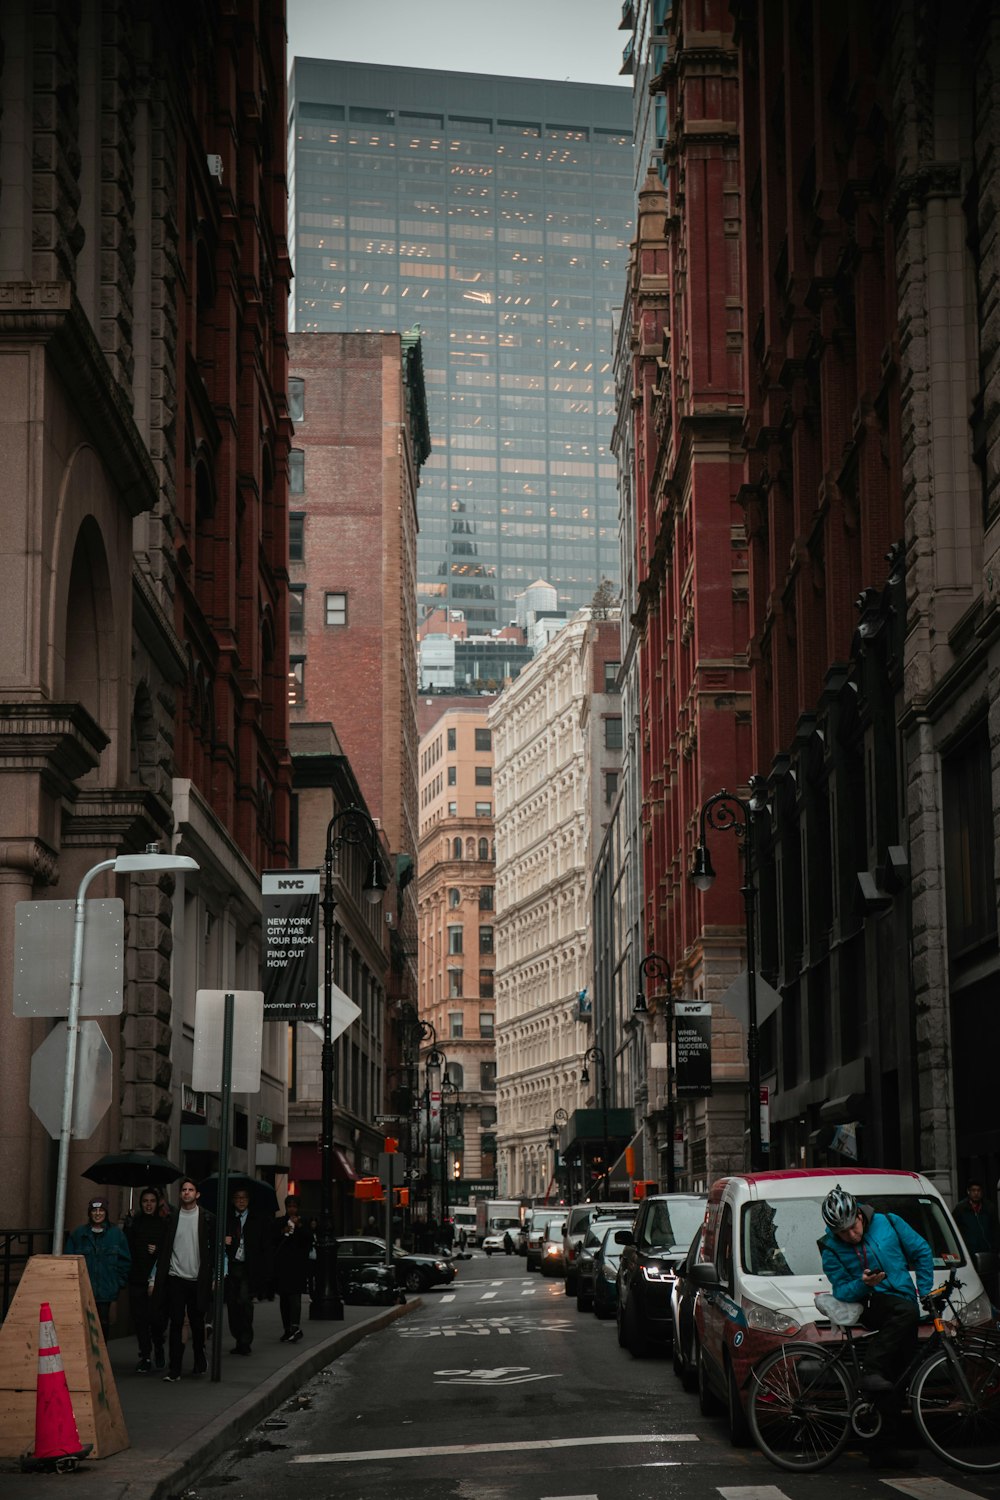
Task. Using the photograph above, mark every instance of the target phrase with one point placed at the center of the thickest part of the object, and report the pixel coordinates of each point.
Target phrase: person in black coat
(291, 1271)
(249, 1248)
(182, 1281)
(145, 1232)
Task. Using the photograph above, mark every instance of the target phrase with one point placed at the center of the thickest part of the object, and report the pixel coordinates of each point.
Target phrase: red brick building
(691, 623)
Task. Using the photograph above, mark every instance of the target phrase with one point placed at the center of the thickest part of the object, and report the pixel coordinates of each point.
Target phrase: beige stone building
(456, 917)
(545, 771)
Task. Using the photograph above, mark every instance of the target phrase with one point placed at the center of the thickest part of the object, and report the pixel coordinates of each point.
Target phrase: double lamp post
(351, 826)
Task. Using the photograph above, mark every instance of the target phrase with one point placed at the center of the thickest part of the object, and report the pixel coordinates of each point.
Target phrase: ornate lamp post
(559, 1119)
(354, 827)
(735, 815)
(655, 967)
(449, 1111)
(435, 1064)
(602, 1081)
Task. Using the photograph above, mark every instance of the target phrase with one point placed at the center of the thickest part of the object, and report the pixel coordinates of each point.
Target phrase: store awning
(307, 1164)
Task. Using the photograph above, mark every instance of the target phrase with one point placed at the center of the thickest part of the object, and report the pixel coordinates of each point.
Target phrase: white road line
(530, 1293)
(447, 1297)
(569, 1497)
(496, 1283)
(486, 1296)
(752, 1492)
(458, 1450)
(929, 1489)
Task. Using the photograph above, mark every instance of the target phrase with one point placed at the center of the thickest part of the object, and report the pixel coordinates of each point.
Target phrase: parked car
(590, 1258)
(606, 1280)
(552, 1247)
(682, 1300)
(761, 1268)
(499, 1240)
(416, 1272)
(578, 1220)
(661, 1237)
(533, 1245)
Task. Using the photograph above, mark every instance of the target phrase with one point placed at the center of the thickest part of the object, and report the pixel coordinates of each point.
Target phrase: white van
(761, 1267)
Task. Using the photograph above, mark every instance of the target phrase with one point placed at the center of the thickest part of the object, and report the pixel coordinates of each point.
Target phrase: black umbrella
(133, 1169)
(263, 1198)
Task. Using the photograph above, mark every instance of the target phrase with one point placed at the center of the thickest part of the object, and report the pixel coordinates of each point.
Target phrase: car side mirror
(598, 1254)
(624, 1237)
(704, 1275)
(986, 1264)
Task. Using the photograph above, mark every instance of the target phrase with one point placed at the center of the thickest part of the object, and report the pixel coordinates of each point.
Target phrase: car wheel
(413, 1281)
(708, 1402)
(739, 1427)
(621, 1328)
(584, 1302)
(635, 1340)
(569, 1287)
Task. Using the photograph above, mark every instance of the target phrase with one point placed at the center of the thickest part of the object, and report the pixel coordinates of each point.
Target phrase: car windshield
(672, 1223)
(780, 1237)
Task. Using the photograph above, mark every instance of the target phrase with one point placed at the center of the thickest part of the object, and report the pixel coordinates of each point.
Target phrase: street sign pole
(222, 1200)
(388, 1212)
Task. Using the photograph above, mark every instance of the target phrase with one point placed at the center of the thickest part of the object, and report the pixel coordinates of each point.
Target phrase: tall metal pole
(222, 1199)
(655, 966)
(326, 1305)
(604, 1123)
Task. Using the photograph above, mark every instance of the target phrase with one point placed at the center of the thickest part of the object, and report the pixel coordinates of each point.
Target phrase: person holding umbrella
(145, 1232)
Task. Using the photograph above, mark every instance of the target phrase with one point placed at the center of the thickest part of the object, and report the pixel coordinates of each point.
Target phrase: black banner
(693, 1031)
(290, 959)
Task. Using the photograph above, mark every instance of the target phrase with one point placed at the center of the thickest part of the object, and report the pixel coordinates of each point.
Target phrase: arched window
(457, 849)
(484, 848)
(456, 1074)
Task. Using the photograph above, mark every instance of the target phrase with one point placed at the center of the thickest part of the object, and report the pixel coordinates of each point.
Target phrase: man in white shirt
(182, 1285)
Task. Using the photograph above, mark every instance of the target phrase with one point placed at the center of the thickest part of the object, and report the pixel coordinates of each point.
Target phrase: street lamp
(354, 827)
(559, 1119)
(655, 967)
(602, 1081)
(124, 864)
(735, 814)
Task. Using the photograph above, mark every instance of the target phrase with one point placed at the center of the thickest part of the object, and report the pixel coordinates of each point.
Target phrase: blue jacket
(107, 1256)
(890, 1245)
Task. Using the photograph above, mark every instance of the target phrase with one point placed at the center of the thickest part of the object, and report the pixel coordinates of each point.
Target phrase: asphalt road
(498, 1389)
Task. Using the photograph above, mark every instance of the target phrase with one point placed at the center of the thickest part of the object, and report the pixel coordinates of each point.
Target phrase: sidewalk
(176, 1431)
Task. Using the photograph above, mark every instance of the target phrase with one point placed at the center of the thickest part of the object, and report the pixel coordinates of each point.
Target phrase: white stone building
(543, 777)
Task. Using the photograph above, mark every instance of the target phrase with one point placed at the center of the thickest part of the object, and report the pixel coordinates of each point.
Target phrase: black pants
(290, 1304)
(239, 1304)
(148, 1328)
(894, 1321)
(182, 1300)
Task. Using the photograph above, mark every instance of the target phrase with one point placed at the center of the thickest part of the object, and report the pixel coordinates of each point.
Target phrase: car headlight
(551, 1249)
(979, 1310)
(655, 1272)
(766, 1320)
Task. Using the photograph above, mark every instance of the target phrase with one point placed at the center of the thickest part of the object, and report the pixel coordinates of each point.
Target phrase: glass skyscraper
(495, 214)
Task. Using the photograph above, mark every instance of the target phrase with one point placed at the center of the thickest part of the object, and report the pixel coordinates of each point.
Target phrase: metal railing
(17, 1246)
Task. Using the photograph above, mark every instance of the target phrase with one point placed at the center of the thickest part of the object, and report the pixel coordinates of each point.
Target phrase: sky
(577, 40)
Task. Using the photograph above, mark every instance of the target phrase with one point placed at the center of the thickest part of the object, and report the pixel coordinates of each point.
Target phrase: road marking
(752, 1492)
(486, 1296)
(929, 1489)
(530, 1293)
(457, 1450)
(447, 1297)
(496, 1283)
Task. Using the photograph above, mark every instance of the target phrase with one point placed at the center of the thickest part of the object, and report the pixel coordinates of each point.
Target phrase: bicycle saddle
(843, 1314)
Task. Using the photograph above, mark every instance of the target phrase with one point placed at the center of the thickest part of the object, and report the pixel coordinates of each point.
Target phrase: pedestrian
(105, 1249)
(145, 1232)
(868, 1257)
(249, 1250)
(291, 1270)
(182, 1278)
(977, 1219)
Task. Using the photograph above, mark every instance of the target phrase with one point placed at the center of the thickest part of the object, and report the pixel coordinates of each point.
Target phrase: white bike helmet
(840, 1209)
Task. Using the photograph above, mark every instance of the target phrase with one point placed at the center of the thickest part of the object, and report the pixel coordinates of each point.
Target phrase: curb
(166, 1478)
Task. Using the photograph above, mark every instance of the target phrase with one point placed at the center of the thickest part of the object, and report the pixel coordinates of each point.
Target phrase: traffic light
(402, 1197)
(642, 1189)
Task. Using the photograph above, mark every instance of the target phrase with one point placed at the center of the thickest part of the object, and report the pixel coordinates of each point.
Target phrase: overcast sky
(574, 39)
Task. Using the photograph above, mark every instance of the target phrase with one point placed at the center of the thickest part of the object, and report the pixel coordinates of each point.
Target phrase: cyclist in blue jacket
(868, 1257)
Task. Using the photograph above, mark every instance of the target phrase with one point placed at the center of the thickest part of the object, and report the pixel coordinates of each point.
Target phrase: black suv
(663, 1231)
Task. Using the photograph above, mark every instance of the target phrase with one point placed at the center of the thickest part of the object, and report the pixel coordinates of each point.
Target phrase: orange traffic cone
(57, 1441)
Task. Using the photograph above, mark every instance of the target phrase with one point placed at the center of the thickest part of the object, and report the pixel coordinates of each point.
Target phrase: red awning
(307, 1164)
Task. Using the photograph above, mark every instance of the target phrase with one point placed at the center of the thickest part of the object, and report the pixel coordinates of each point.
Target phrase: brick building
(361, 435)
(143, 533)
(678, 431)
(456, 907)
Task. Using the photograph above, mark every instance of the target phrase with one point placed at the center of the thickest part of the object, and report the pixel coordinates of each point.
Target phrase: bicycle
(807, 1399)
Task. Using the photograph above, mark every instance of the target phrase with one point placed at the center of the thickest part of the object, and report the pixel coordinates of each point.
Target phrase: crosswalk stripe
(751, 1492)
(486, 1296)
(447, 1297)
(929, 1489)
(530, 1293)
(460, 1450)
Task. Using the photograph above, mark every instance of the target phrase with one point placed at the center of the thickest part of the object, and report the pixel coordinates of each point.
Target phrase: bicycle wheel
(966, 1434)
(800, 1408)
